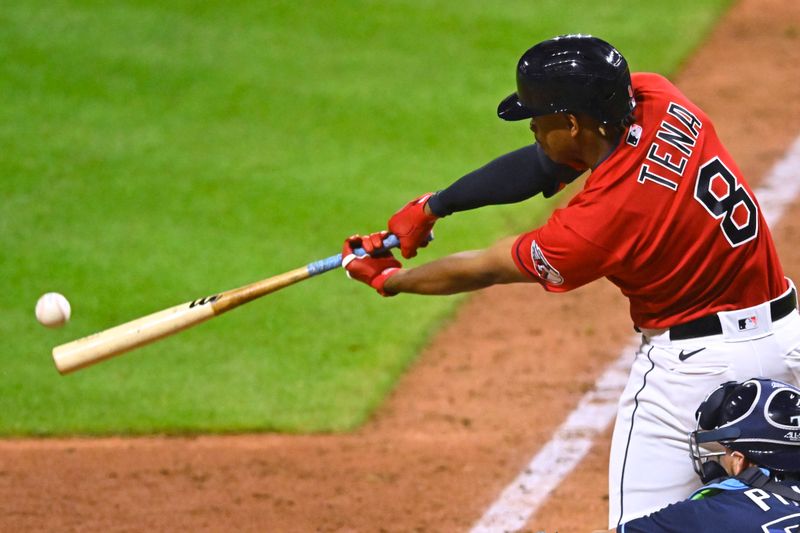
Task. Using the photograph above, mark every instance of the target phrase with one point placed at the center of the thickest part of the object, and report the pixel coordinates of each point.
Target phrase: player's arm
(511, 178)
(460, 272)
(557, 255)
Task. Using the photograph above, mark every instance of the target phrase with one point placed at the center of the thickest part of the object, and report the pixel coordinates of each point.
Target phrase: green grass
(155, 152)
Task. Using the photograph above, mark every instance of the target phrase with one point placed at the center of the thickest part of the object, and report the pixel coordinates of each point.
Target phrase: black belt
(710, 324)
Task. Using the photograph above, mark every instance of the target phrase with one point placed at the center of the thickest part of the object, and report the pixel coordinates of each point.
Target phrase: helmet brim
(722, 435)
(511, 108)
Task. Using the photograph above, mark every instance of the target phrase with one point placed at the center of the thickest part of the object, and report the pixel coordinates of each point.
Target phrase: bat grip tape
(335, 261)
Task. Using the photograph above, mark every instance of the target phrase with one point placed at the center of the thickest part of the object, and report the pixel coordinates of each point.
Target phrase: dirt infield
(481, 400)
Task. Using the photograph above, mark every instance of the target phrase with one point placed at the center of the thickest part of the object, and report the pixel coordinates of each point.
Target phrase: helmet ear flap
(708, 414)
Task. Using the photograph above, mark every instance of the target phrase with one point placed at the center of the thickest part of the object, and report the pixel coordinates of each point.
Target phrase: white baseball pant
(649, 465)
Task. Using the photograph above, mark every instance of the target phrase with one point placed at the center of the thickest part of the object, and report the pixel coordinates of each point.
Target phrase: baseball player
(752, 481)
(665, 215)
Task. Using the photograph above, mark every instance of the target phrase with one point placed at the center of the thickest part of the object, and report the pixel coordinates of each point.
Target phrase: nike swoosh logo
(684, 356)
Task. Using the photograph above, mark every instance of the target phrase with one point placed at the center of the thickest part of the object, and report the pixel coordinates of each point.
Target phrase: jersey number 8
(718, 190)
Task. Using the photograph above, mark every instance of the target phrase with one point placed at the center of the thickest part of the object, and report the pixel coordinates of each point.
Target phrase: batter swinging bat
(89, 350)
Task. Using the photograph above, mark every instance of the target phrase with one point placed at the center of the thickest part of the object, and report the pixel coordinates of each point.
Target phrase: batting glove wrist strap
(380, 280)
(412, 225)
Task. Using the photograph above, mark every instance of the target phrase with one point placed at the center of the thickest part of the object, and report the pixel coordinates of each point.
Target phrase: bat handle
(335, 261)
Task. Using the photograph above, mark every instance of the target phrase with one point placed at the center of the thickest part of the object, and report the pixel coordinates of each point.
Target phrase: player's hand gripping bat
(89, 350)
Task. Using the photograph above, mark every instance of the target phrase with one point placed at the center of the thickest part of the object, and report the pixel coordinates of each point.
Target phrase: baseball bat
(97, 347)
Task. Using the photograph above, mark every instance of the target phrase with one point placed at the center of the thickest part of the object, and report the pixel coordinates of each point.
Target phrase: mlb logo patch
(634, 134)
(750, 322)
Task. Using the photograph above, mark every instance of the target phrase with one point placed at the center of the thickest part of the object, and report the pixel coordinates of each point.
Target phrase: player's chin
(555, 157)
(548, 152)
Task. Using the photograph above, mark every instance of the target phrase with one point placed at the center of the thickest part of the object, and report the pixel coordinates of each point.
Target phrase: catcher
(752, 479)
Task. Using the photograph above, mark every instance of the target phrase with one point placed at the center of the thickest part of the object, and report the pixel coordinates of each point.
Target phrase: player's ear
(573, 124)
(739, 463)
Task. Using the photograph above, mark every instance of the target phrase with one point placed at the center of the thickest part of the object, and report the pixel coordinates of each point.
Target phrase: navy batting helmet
(571, 73)
(759, 418)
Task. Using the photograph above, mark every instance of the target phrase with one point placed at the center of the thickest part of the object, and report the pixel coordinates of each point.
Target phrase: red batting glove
(372, 270)
(373, 241)
(412, 226)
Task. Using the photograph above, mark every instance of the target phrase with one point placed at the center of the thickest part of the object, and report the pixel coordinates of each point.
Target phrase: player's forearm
(449, 275)
(461, 272)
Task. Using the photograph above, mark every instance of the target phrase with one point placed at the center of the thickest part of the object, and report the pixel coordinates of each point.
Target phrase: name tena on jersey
(682, 137)
(716, 187)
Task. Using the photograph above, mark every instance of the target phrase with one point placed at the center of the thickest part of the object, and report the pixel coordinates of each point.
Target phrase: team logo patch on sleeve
(543, 267)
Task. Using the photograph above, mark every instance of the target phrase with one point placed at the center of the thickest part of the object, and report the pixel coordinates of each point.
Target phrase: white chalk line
(570, 443)
(596, 410)
(781, 186)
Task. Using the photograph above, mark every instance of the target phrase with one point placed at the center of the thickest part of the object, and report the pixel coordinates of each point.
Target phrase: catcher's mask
(759, 418)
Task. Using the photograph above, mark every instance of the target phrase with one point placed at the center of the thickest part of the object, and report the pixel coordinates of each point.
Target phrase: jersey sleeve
(559, 258)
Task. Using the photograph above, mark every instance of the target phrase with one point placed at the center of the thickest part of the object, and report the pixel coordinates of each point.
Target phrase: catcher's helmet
(759, 417)
(571, 73)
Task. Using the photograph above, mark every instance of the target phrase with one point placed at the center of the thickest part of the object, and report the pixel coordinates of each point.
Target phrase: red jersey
(667, 217)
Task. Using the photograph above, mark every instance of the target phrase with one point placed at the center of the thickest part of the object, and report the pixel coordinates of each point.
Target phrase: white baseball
(52, 310)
